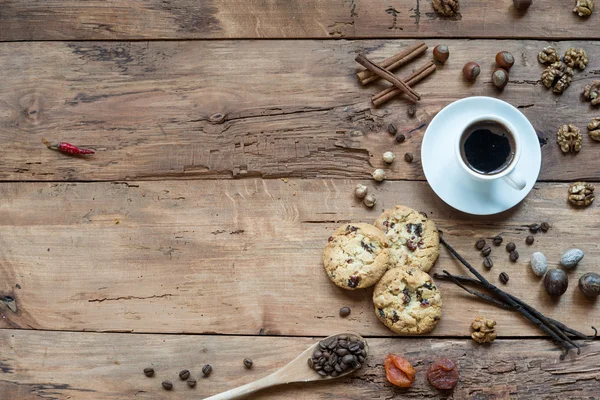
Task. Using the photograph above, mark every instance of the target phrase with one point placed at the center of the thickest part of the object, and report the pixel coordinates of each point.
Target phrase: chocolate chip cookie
(413, 238)
(356, 256)
(407, 301)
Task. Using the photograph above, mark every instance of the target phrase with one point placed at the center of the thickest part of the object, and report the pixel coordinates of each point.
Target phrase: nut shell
(571, 258)
(590, 284)
(539, 264)
(471, 71)
(505, 60)
(500, 78)
(556, 282)
(441, 53)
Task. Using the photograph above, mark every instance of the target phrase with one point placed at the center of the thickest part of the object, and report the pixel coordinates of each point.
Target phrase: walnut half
(548, 56)
(576, 58)
(584, 8)
(557, 76)
(594, 129)
(446, 8)
(569, 138)
(592, 92)
(581, 194)
(483, 330)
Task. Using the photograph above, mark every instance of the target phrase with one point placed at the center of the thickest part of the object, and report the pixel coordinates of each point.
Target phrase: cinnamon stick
(397, 60)
(388, 76)
(411, 80)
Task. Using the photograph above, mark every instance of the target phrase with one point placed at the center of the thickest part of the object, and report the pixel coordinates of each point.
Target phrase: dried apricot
(443, 374)
(398, 371)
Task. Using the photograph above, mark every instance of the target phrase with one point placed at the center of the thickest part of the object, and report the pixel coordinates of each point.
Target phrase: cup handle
(515, 180)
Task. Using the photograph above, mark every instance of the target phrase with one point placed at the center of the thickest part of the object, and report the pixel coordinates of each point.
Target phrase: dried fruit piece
(576, 58)
(548, 56)
(443, 374)
(398, 371)
(569, 138)
(581, 194)
(584, 8)
(557, 76)
(446, 8)
(591, 92)
(483, 330)
(594, 129)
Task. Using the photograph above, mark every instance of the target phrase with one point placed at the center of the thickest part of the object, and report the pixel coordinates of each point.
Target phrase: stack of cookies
(395, 256)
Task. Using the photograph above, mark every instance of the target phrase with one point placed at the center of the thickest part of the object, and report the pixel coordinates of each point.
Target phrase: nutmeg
(500, 78)
(505, 60)
(471, 71)
(441, 53)
(522, 4)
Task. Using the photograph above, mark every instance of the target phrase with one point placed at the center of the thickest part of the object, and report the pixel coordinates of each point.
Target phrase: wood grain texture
(157, 110)
(189, 19)
(66, 365)
(244, 257)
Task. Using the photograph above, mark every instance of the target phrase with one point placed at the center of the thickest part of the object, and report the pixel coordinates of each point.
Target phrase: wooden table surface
(226, 156)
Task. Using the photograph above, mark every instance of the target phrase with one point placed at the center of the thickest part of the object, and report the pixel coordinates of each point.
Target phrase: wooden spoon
(296, 371)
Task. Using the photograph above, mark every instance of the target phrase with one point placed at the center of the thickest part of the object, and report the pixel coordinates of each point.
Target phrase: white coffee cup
(508, 173)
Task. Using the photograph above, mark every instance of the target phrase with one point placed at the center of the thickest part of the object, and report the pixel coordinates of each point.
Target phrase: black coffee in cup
(487, 147)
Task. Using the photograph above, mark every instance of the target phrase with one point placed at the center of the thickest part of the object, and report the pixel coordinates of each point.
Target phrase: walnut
(594, 129)
(576, 58)
(446, 8)
(484, 330)
(557, 76)
(569, 138)
(581, 194)
(584, 8)
(592, 92)
(548, 56)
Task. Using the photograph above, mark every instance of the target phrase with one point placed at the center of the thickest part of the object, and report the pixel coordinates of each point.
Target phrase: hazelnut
(360, 191)
(471, 71)
(522, 4)
(379, 175)
(505, 60)
(441, 53)
(370, 200)
(500, 78)
(389, 157)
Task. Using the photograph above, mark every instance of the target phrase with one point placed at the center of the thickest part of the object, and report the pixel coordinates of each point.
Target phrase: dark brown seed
(335, 373)
(510, 246)
(344, 367)
(545, 226)
(322, 372)
(503, 277)
(248, 363)
(322, 345)
(412, 110)
(184, 375)
(486, 251)
(488, 263)
(514, 256)
(392, 130)
(354, 348)
(363, 353)
(317, 354)
(318, 367)
(400, 138)
(533, 228)
(167, 385)
(356, 365)
(345, 311)
(206, 370)
(349, 359)
(338, 368)
(149, 372)
(191, 382)
(361, 359)
(497, 240)
(333, 344)
(408, 157)
(361, 344)
(328, 368)
(529, 240)
(342, 352)
(311, 363)
(342, 337)
(480, 244)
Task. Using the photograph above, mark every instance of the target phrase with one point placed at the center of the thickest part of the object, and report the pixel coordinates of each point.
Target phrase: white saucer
(452, 183)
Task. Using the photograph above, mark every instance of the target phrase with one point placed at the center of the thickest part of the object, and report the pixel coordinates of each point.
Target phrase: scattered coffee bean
(498, 240)
(480, 244)
(545, 226)
(529, 240)
(311, 363)
(345, 311)
(486, 251)
(510, 246)
(248, 363)
(392, 129)
(206, 370)
(412, 110)
(533, 228)
(400, 138)
(408, 157)
(488, 263)
(503, 277)
(149, 372)
(184, 375)
(514, 256)
(167, 385)
(191, 382)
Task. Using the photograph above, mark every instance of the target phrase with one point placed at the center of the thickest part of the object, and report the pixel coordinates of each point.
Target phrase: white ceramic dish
(451, 182)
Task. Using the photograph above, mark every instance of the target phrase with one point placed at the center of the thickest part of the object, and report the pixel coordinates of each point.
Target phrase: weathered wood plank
(109, 366)
(235, 109)
(187, 19)
(244, 256)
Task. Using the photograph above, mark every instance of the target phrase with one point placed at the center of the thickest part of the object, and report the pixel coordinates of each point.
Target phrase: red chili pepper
(67, 148)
